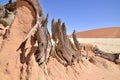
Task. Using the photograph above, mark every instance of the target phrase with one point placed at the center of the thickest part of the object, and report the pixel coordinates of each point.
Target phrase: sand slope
(111, 32)
(98, 69)
(11, 67)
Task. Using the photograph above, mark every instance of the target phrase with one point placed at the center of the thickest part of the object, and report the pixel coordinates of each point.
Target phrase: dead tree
(41, 35)
(7, 13)
(75, 40)
(109, 56)
(11, 6)
(63, 48)
(2, 11)
(78, 54)
(43, 40)
(10, 1)
(38, 19)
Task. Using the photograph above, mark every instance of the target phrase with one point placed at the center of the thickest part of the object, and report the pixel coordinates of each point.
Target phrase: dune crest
(110, 32)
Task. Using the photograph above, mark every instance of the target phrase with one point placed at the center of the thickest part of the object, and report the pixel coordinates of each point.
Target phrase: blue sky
(82, 14)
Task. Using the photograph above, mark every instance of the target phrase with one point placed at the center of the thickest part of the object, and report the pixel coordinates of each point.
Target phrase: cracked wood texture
(40, 37)
(63, 46)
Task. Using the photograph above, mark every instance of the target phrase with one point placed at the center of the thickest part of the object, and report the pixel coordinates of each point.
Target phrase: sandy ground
(11, 67)
(99, 69)
(111, 45)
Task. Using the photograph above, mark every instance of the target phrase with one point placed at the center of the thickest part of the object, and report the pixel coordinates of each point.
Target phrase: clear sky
(82, 14)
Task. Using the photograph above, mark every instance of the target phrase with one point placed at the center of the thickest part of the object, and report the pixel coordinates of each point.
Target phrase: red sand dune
(111, 32)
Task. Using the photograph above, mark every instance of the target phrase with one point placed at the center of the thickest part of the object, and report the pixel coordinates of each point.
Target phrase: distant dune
(112, 32)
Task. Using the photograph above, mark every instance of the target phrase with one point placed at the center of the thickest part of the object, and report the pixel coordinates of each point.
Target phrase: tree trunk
(63, 46)
(41, 37)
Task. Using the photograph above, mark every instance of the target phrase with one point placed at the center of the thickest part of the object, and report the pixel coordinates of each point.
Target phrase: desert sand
(11, 67)
(110, 32)
(110, 45)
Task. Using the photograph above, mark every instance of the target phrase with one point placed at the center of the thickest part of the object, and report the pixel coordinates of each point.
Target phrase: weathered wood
(63, 47)
(42, 36)
(10, 1)
(75, 40)
(11, 6)
(2, 11)
(109, 56)
(54, 30)
(7, 21)
(78, 54)
(7, 17)
(44, 47)
(38, 19)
